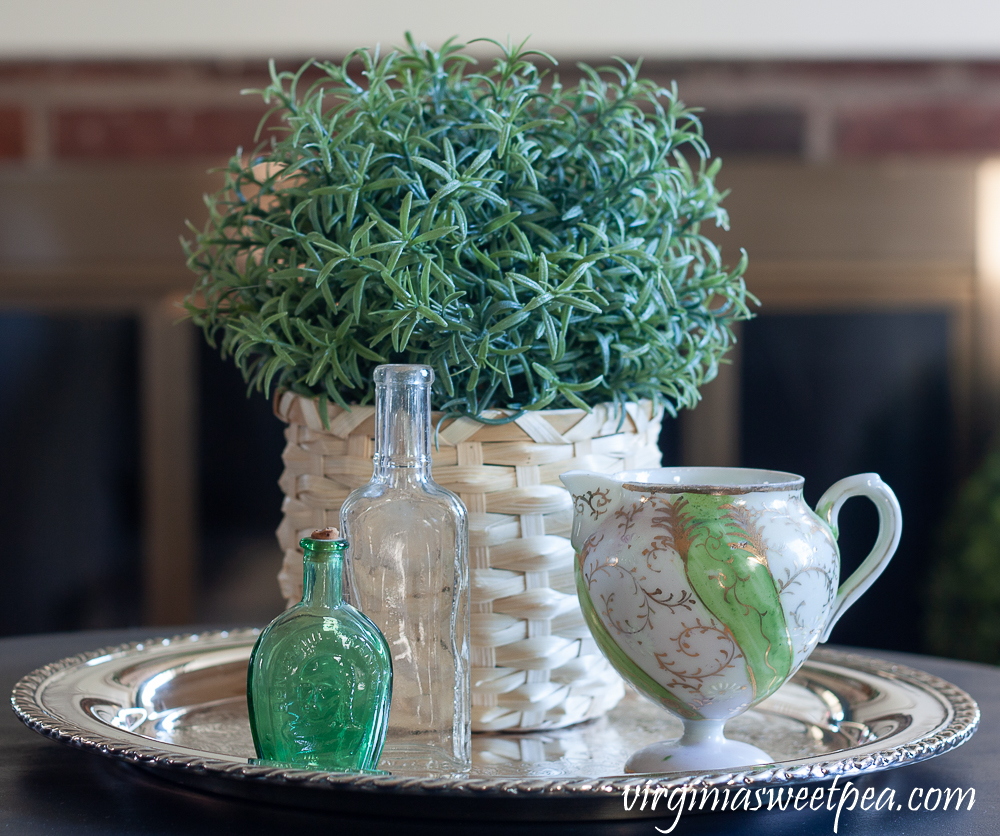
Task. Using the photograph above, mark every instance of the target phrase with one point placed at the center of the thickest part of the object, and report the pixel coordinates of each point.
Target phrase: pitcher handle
(890, 526)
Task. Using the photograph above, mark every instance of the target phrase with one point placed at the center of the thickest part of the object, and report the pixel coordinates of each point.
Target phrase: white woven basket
(534, 664)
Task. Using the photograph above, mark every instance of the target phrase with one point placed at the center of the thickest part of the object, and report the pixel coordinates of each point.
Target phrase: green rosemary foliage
(537, 245)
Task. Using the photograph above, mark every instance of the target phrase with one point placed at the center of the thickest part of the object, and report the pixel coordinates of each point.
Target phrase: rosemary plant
(538, 245)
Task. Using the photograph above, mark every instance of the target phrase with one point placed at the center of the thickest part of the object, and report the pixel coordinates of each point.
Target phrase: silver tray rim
(219, 771)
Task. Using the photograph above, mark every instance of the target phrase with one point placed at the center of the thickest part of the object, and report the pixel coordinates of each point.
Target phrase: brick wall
(176, 110)
(842, 110)
(156, 110)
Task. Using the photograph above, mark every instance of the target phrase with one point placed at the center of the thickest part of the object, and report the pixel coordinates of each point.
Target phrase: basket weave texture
(534, 663)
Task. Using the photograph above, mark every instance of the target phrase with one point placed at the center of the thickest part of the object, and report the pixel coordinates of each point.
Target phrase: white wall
(655, 28)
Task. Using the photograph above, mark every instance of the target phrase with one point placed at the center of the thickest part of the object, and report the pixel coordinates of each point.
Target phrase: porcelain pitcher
(707, 588)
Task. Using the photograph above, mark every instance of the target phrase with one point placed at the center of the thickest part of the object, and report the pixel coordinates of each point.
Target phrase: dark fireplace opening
(830, 395)
(70, 494)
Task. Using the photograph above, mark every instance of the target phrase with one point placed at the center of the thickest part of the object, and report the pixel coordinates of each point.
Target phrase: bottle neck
(323, 573)
(402, 423)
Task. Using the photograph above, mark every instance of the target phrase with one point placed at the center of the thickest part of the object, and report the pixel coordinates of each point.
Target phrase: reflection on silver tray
(177, 706)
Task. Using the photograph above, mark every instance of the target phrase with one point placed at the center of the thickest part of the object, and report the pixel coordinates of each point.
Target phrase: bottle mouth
(401, 374)
(323, 546)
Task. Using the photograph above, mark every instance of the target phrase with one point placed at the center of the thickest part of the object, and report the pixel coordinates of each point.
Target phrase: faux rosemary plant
(537, 245)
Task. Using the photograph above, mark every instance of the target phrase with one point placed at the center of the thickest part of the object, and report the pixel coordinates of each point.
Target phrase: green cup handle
(890, 526)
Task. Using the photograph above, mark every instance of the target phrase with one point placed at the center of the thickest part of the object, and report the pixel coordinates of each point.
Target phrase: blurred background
(138, 483)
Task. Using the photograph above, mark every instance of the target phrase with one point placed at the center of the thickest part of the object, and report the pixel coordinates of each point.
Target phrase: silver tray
(177, 706)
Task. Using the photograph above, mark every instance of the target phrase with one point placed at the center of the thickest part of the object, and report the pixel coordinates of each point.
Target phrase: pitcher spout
(594, 495)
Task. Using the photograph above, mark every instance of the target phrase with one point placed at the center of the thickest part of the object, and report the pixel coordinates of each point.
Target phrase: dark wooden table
(47, 788)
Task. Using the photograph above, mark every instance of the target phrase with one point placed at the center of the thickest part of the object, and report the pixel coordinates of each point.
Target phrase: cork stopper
(325, 534)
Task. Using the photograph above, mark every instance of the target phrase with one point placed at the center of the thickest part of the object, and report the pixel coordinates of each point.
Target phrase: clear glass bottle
(408, 571)
(320, 677)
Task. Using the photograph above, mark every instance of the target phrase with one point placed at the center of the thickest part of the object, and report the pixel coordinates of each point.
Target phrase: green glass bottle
(320, 678)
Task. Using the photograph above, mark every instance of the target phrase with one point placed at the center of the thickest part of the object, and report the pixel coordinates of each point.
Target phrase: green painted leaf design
(727, 568)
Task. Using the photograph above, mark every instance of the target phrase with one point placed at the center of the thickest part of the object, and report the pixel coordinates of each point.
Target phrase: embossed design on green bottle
(320, 677)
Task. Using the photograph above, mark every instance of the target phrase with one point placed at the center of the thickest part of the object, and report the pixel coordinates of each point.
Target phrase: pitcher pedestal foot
(702, 746)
